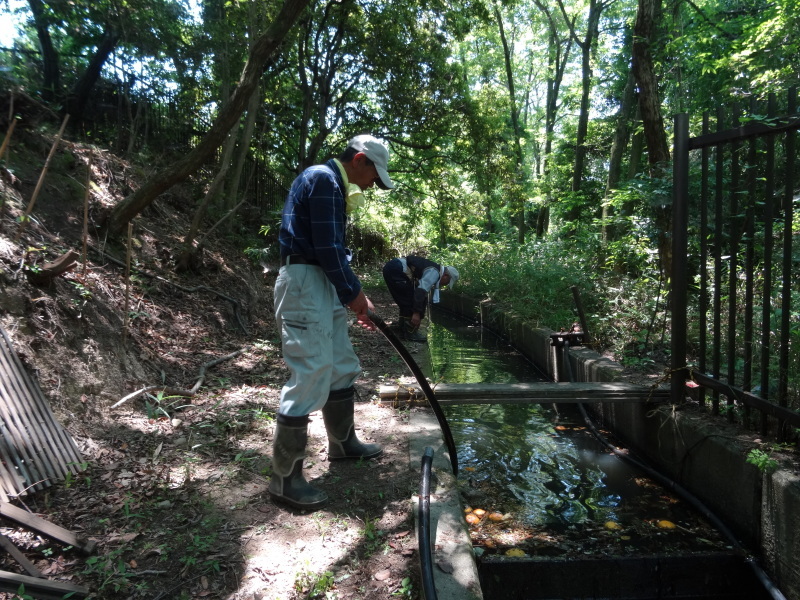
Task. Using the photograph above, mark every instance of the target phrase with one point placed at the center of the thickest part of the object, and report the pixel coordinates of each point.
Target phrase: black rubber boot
(413, 335)
(288, 485)
(399, 326)
(338, 415)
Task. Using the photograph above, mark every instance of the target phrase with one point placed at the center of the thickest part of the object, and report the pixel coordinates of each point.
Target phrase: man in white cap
(410, 280)
(315, 285)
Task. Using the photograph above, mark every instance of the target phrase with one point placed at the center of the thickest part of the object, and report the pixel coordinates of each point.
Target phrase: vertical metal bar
(733, 266)
(786, 300)
(704, 240)
(680, 222)
(769, 245)
(751, 166)
(719, 164)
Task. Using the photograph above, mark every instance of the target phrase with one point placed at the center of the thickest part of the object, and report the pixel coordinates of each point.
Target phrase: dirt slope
(173, 486)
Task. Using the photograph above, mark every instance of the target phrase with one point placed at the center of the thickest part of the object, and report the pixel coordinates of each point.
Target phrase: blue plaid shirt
(313, 226)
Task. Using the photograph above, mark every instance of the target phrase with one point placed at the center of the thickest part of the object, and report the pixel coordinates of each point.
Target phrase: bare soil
(173, 487)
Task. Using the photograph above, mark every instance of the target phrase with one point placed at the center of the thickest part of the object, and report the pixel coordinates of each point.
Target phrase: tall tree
(644, 37)
(587, 46)
(559, 46)
(51, 81)
(263, 49)
(517, 202)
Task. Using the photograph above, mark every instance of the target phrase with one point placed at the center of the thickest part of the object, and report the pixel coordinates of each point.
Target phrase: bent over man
(314, 285)
(410, 279)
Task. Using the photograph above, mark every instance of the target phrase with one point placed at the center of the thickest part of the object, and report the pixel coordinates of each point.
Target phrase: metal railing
(734, 190)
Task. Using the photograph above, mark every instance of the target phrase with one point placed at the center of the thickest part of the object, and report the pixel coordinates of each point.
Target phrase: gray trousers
(314, 339)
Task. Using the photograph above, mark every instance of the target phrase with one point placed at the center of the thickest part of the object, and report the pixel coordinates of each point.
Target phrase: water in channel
(540, 481)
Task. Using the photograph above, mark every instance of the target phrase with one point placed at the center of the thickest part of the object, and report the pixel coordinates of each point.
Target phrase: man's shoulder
(321, 171)
(314, 178)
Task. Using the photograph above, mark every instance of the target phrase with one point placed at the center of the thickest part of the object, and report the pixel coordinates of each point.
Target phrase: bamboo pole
(7, 139)
(11, 126)
(127, 285)
(86, 213)
(28, 210)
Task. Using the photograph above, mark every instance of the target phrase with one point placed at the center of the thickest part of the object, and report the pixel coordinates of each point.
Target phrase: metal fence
(735, 332)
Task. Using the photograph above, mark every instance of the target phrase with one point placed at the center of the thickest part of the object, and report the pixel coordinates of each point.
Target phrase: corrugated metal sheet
(35, 450)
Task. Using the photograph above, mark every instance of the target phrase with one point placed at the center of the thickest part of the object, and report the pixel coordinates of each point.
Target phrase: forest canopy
(523, 118)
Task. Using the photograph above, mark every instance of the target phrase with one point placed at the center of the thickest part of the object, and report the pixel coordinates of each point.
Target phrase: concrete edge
(455, 572)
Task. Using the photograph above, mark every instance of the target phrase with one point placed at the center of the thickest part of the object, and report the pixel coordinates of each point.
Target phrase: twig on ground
(177, 391)
(199, 288)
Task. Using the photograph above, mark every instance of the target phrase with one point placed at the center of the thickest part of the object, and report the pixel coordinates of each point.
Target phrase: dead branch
(169, 391)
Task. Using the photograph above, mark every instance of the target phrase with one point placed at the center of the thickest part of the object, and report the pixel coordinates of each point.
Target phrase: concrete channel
(704, 457)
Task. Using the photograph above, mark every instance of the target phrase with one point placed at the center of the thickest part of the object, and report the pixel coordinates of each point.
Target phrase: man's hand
(416, 318)
(360, 305)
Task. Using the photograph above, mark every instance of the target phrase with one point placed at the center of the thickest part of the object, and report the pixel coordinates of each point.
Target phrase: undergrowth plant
(539, 281)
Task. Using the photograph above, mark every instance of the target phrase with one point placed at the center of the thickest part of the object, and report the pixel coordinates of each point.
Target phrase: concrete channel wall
(705, 456)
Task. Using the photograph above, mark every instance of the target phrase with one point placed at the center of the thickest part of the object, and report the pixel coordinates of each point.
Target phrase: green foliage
(110, 571)
(535, 279)
(762, 461)
(312, 585)
(406, 589)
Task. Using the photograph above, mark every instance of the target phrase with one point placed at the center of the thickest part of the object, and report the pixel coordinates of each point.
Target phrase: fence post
(680, 221)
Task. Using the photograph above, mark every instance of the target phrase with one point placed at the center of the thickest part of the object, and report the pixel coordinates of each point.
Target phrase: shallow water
(540, 467)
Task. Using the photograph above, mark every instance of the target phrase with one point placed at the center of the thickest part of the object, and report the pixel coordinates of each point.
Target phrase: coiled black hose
(681, 491)
(424, 519)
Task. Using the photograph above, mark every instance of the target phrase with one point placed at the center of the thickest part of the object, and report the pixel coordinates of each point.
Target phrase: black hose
(681, 491)
(423, 384)
(424, 518)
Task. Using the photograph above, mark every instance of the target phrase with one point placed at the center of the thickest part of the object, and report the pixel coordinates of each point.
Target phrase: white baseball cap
(377, 152)
(453, 274)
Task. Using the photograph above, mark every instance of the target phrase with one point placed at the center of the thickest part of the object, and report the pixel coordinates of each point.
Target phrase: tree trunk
(51, 83)
(586, 46)
(83, 87)
(618, 145)
(264, 47)
(243, 148)
(518, 205)
(649, 103)
(637, 143)
(557, 56)
(185, 259)
(644, 34)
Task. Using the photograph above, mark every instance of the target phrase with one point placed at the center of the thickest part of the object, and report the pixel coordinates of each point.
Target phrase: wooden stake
(12, 124)
(86, 213)
(127, 284)
(28, 210)
(7, 139)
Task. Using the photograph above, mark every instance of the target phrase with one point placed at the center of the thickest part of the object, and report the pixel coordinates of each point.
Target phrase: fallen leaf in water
(664, 524)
